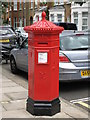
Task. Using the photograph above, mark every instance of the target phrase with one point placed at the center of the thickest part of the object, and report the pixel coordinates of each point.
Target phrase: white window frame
(24, 21)
(37, 17)
(59, 18)
(10, 6)
(20, 22)
(20, 5)
(15, 5)
(31, 4)
(75, 18)
(84, 18)
(52, 17)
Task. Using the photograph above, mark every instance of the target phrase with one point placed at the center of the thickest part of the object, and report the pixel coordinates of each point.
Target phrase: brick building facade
(20, 12)
(24, 12)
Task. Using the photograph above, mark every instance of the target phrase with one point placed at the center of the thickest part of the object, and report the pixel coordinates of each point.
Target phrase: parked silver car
(73, 57)
(19, 57)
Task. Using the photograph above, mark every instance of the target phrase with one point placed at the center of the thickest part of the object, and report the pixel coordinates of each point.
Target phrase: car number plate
(4, 40)
(85, 73)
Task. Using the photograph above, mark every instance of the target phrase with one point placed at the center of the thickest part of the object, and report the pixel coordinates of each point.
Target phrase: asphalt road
(77, 93)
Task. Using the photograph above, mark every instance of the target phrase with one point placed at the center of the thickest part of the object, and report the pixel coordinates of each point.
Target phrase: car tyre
(13, 65)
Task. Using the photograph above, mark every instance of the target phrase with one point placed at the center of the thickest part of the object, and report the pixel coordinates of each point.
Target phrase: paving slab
(1, 80)
(4, 79)
(9, 84)
(24, 114)
(21, 104)
(13, 89)
(58, 115)
(0, 115)
(14, 105)
(18, 95)
(2, 108)
(17, 114)
(5, 98)
(67, 111)
(0, 96)
(0, 90)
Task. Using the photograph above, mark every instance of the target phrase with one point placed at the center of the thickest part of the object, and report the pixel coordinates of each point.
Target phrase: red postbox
(43, 67)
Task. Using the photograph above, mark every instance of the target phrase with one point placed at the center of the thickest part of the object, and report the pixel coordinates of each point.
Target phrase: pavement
(13, 103)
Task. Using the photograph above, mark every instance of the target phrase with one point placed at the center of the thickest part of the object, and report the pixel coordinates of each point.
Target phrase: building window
(37, 17)
(76, 18)
(56, 3)
(52, 17)
(23, 4)
(68, 19)
(84, 20)
(31, 3)
(20, 22)
(15, 22)
(15, 5)
(20, 7)
(59, 17)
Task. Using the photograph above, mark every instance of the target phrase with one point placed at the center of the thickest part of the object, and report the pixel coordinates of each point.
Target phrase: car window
(25, 44)
(5, 31)
(74, 42)
(67, 26)
(71, 27)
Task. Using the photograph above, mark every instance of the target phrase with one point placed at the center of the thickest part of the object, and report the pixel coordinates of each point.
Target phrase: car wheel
(13, 65)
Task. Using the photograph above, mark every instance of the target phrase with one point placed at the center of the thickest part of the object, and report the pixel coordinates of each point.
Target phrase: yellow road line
(84, 104)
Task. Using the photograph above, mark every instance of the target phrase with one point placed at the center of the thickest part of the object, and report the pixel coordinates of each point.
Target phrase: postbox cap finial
(43, 15)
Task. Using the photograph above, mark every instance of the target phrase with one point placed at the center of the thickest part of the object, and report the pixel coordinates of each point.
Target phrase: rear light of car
(63, 58)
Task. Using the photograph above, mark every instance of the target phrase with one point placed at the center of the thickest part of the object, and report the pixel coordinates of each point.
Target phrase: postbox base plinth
(41, 108)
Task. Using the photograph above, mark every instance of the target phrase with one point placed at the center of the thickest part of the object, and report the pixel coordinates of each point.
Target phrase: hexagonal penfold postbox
(43, 67)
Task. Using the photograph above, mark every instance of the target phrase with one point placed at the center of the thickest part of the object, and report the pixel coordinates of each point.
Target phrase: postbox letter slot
(43, 43)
